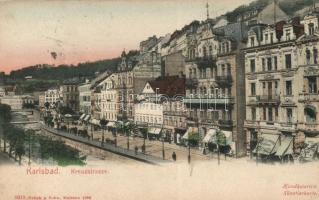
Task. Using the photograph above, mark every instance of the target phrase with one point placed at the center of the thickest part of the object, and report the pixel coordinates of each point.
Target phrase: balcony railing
(225, 123)
(226, 79)
(207, 61)
(268, 98)
(208, 100)
(174, 113)
(191, 82)
(308, 97)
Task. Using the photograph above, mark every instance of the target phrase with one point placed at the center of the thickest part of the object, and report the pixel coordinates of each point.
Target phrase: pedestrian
(174, 156)
(136, 149)
(143, 148)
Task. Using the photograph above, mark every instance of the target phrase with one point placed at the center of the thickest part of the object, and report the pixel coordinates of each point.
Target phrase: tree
(103, 123)
(126, 128)
(220, 141)
(144, 133)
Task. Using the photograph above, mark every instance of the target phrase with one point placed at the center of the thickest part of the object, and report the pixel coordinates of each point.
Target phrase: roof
(169, 85)
(100, 78)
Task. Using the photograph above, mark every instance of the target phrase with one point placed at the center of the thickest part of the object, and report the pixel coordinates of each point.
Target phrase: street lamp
(163, 150)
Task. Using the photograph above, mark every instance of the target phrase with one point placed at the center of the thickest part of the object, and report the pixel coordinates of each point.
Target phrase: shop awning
(311, 148)
(95, 122)
(190, 131)
(154, 131)
(268, 145)
(111, 124)
(87, 117)
(285, 147)
(82, 116)
(209, 136)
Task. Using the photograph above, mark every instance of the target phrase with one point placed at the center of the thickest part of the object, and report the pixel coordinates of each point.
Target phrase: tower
(207, 10)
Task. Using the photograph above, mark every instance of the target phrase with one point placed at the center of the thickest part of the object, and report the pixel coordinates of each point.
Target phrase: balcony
(224, 80)
(174, 113)
(312, 128)
(191, 83)
(225, 123)
(274, 99)
(308, 97)
(209, 61)
(208, 100)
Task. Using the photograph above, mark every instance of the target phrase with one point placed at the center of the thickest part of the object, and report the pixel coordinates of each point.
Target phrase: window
(266, 37)
(270, 118)
(252, 65)
(311, 29)
(253, 114)
(264, 114)
(252, 41)
(210, 50)
(288, 87)
(288, 61)
(275, 62)
(308, 55)
(263, 63)
(204, 52)
(312, 84)
(271, 38)
(289, 115)
(269, 64)
(253, 89)
(287, 35)
(310, 114)
(315, 56)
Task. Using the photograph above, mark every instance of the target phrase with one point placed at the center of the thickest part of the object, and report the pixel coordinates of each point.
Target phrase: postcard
(159, 99)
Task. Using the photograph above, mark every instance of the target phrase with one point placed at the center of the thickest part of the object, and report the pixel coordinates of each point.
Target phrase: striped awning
(82, 116)
(87, 117)
(155, 131)
(311, 149)
(268, 144)
(111, 124)
(209, 136)
(285, 147)
(95, 122)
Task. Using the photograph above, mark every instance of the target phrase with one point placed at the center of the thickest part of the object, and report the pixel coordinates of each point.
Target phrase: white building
(15, 102)
(52, 96)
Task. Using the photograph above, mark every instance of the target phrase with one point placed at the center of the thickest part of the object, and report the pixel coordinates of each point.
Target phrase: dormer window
(311, 28)
(288, 36)
(252, 41)
(271, 38)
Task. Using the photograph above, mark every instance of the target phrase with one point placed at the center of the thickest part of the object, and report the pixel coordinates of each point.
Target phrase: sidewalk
(155, 147)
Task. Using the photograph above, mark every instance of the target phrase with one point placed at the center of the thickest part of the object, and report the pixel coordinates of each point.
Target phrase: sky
(81, 31)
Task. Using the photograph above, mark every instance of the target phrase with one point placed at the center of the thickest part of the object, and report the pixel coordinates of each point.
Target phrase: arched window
(204, 52)
(310, 114)
(190, 73)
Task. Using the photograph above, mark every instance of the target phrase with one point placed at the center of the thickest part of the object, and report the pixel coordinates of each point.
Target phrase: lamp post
(163, 150)
(29, 163)
(257, 149)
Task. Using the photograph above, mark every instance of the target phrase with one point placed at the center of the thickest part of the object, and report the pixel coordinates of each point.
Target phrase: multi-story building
(14, 101)
(109, 99)
(281, 86)
(70, 94)
(85, 98)
(160, 106)
(214, 86)
(52, 96)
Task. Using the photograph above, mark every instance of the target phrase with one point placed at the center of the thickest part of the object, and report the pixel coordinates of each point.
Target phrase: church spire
(207, 10)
